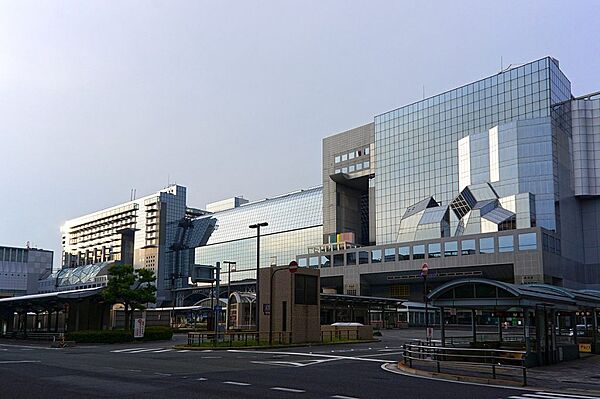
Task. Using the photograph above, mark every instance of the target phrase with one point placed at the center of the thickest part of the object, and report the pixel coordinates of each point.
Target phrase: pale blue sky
(233, 98)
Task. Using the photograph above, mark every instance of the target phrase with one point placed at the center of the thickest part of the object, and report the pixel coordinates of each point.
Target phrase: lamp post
(257, 226)
(424, 273)
(230, 265)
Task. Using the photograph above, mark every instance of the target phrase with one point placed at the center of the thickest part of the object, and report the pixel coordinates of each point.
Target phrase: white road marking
(337, 357)
(19, 361)
(288, 389)
(183, 351)
(141, 351)
(550, 395)
(343, 397)
(163, 350)
(244, 384)
(126, 350)
(201, 379)
(293, 364)
(211, 357)
(163, 374)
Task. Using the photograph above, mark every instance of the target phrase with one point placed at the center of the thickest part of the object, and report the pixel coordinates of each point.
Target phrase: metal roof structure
(483, 293)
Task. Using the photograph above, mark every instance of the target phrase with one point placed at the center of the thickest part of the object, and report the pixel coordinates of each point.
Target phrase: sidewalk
(581, 374)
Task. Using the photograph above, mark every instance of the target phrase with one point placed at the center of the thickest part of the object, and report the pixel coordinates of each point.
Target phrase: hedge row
(156, 333)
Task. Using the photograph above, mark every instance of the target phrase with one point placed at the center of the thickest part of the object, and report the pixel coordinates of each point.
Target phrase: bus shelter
(550, 323)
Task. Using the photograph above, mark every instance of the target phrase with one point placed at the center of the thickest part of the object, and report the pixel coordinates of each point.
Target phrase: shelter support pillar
(442, 327)
(474, 325)
(526, 336)
(573, 322)
(540, 335)
(500, 329)
(595, 329)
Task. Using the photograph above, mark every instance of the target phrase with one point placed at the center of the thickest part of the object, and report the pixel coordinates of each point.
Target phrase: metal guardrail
(465, 357)
(239, 338)
(41, 336)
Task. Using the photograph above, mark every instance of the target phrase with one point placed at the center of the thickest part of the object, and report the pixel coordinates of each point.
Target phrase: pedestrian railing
(466, 359)
(33, 335)
(240, 338)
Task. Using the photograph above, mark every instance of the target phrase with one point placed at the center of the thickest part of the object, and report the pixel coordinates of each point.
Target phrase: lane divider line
(287, 389)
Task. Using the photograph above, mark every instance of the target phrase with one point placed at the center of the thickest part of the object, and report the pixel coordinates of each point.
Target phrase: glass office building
(294, 223)
(497, 178)
(416, 149)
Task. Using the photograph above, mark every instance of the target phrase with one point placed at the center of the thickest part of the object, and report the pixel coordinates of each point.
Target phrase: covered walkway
(550, 323)
(61, 311)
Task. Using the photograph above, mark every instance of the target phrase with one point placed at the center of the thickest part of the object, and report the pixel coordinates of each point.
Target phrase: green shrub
(157, 333)
(100, 336)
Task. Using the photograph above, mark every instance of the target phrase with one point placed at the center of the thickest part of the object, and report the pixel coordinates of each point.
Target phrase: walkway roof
(49, 299)
(483, 293)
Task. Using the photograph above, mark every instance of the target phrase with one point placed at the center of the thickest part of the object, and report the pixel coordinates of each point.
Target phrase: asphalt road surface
(156, 370)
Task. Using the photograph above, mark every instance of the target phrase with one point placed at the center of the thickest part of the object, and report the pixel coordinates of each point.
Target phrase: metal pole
(257, 226)
(228, 295)
(215, 312)
(258, 281)
(426, 307)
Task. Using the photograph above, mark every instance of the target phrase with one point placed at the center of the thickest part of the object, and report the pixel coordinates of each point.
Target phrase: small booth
(550, 323)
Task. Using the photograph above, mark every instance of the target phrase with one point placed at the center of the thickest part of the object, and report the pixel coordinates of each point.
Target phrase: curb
(507, 384)
(459, 378)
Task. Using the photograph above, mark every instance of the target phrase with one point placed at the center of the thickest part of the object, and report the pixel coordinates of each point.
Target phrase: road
(156, 370)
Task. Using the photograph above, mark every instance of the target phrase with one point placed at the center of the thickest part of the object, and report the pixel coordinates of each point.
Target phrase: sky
(233, 97)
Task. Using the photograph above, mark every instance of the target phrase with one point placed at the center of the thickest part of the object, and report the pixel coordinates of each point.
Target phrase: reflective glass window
(325, 260)
(450, 248)
(363, 257)
(345, 169)
(404, 253)
(527, 242)
(506, 244)
(302, 262)
(419, 252)
(367, 151)
(486, 245)
(338, 260)
(351, 258)
(359, 166)
(366, 164)
(313, 262)
(467, 247)
(434, 250)
(338, 159)
(389, 254)
(351, 155)
(344, 157)
(376, 256)
(351, 168)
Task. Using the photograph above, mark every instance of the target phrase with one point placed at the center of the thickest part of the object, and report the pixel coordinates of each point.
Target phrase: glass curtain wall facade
(295, 223)
(416, 146)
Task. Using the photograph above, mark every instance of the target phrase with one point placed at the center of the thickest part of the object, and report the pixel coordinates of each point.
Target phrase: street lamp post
(257, 226)
(230, 265)
(424, 273)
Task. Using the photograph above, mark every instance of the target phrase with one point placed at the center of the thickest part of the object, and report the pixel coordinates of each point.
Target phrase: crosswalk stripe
(551, 395)
(183, 351)
(236, 383)
(163, 350)
(142, 350)
(287, 389)
(126, 350)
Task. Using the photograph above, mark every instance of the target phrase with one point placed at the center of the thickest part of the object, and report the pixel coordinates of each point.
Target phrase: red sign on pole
(293, 266)
(425, 270)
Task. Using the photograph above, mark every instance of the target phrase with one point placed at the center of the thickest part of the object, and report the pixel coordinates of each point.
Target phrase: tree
(132, 288)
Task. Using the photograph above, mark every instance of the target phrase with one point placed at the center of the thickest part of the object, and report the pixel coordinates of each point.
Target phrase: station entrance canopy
(554, 323)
